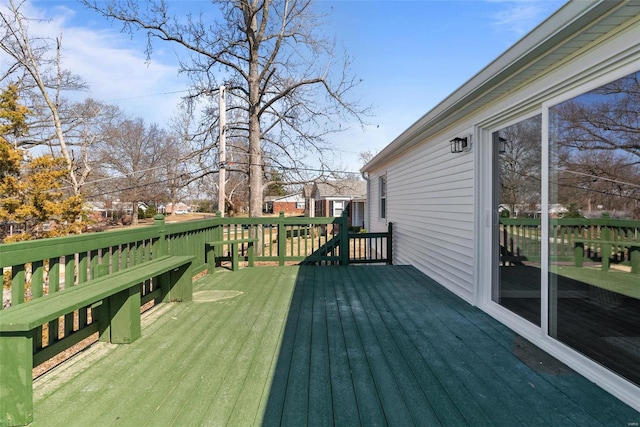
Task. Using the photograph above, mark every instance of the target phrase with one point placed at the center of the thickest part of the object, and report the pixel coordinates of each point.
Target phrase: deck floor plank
(296, 399)
(181, 379)
(434, 348)
(369, 405)
(216, 384)
(385, 329)
(389, 386)
(343, 394)
(320, 397)
(249, 371)
(365, 345)
(488, 367)
(567, 390)
(431, 388)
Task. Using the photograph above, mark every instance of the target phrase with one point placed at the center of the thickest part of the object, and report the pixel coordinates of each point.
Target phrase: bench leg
(124, 313)
(250, 254)
(234, 257)
(578, 254)
(16, 384)
(181, 284)
(634, 256)
(606, 254)
(211, 258)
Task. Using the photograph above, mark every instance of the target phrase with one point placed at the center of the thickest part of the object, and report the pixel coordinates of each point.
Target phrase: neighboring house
(291, 204)
(106, 210)
(98, 208)
(439, 182)
(332, 198)
(181, 208)
(126, 207)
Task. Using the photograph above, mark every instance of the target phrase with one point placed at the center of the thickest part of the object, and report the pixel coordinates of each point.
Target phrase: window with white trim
(382, 183)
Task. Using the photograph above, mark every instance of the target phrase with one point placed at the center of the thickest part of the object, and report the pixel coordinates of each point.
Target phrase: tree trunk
(255, 136)
(134, 213)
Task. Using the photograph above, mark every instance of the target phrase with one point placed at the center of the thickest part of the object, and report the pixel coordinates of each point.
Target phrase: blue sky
(410, 55)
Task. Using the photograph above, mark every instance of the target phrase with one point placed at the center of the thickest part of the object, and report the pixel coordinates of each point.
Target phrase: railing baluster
(53, 277)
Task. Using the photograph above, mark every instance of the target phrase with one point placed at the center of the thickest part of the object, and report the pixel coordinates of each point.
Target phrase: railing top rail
(355, 235)
(23, 252)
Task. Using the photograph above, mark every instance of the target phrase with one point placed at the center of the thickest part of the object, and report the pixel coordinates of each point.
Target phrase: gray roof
(349, 189)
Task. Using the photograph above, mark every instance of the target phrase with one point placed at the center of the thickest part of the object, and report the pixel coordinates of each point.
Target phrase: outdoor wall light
(461, 144)
(502, 145)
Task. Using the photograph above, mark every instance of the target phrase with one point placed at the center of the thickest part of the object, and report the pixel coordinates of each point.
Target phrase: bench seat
(26, 317)
(116, 298)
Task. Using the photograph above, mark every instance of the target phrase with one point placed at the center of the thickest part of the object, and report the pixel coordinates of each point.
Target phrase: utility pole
(222, 152)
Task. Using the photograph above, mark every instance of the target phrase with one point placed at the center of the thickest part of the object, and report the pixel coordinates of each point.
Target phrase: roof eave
(552, 32)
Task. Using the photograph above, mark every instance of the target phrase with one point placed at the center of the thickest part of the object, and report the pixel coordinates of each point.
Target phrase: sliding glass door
(516, 281)
(594, 224)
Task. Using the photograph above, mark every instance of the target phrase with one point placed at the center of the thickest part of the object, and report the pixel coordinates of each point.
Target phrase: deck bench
(215, 252)
(606, 248)
(116, 300)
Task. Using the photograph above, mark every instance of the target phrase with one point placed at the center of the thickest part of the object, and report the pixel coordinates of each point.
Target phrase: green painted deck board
(363, 345)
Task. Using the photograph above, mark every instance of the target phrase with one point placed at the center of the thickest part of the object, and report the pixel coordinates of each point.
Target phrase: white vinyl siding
(430, 202)
(438, 201)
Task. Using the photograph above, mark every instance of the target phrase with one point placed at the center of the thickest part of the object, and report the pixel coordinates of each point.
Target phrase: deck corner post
(162, 247)
(344, 238)
(16, 385)
(390, 244)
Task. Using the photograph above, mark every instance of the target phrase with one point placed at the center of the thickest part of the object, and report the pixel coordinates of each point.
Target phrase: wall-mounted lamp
(502, 145)
(461, 144)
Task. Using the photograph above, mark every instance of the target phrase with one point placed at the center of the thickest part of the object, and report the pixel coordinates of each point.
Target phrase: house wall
(438, 201)
(430, 200)
(287, 208)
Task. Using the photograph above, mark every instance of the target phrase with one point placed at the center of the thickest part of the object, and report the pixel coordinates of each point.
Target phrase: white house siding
(438, 201)
(430, 202)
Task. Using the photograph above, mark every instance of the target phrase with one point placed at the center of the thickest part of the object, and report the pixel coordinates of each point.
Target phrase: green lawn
(618, 281)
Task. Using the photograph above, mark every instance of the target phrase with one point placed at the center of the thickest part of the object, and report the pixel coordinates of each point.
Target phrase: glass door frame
(488, 218)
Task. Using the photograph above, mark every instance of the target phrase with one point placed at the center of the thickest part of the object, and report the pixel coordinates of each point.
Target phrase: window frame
(382, 186)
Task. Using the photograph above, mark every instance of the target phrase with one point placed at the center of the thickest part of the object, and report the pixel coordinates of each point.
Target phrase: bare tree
(519, 164)
(596, 144)
(606, 119)
(365, 156)
(135, 157)
(279, 73)
(36, 65)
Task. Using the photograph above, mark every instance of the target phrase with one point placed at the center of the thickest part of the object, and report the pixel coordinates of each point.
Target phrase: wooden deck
(345, 346)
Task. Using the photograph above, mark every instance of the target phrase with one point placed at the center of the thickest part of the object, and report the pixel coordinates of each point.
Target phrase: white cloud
(112, 64)
(520, 17)
(120, 75)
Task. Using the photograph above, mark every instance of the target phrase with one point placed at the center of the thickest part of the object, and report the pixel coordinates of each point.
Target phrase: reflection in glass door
(594, 225)
(517, 233)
